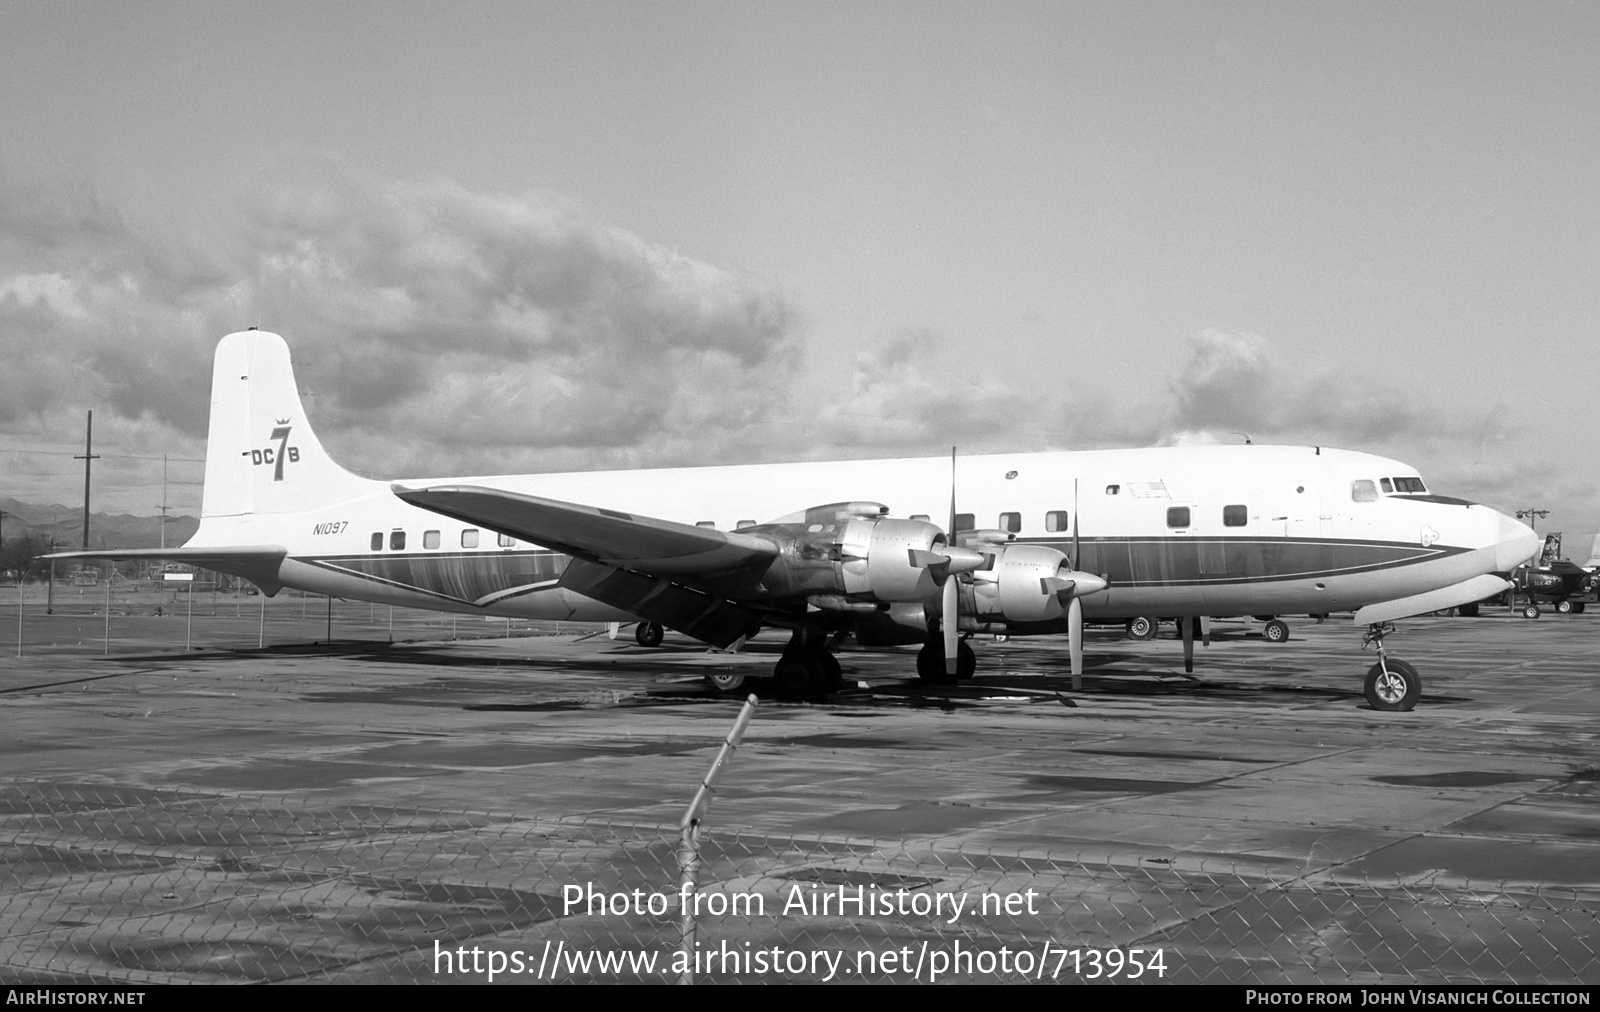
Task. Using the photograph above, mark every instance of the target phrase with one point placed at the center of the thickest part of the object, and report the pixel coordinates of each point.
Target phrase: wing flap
(707, 618)
(609, 537)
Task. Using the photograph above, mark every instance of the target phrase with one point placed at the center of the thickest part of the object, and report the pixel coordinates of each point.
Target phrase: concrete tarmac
(338, 812)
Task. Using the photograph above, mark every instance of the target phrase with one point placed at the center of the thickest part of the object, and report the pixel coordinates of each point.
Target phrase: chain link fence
(111, 884)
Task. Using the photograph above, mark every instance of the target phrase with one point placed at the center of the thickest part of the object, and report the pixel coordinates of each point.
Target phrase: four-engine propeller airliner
(1042, 540)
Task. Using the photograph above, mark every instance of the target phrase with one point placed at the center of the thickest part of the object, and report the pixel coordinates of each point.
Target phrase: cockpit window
(1386, 484)
(1364, 490)
(1410, 486)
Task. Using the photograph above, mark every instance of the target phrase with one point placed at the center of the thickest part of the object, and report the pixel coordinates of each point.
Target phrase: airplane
(721, 552)
(1552, 580)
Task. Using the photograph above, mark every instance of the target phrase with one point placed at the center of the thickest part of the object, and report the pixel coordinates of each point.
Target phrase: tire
(725, 681)
(1276, 631)
(1577, 607)
(832, 674)
(1142, 627)
(649, 634)
(1395, 692)
(1530, 611)
(1468, 611)
(930, 663)
(799, 678)
(1563, 607)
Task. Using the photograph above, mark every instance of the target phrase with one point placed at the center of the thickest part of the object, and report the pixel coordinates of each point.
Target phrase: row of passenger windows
(430, 539)
(1055, 522)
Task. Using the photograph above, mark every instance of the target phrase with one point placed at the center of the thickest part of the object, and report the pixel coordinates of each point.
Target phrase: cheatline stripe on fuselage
(1135, 562)
(483, 579)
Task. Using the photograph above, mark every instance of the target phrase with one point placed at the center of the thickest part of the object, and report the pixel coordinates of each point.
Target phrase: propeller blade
(950, 625)
(1075, 642)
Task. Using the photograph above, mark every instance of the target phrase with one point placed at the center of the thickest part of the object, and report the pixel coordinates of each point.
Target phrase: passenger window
(377, 541)
(430, 539)
(469, 538)
(1363, 490)
(397, 540)
(1177, 516)
(1011, 522)
(1235, 516)
(966, 522)
(1055, 521)
(1385, 484)
(506, 541)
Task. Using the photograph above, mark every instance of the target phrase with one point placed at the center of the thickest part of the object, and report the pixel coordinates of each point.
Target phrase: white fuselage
(1193, 530)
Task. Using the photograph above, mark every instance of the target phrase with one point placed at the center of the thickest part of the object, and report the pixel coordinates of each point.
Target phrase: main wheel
(1142, 627)
(649, 634)
(1563, 607)
(1468, 611)
(1577, 607)
(1276, 631)
(930, 663)
(800, 677)
(725, 681)
(1394, 690)
(1530, 611)
(832, 674)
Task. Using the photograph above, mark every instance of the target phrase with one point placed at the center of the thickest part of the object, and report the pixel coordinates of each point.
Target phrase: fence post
(689, 840)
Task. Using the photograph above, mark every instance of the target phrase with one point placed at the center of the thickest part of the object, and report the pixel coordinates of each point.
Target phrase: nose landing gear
(1392, 684)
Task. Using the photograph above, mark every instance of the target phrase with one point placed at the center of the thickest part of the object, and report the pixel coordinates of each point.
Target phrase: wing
(256, 563)
(609, 537)
(661, 570)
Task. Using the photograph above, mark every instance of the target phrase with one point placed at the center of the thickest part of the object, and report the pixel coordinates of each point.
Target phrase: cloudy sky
(528, 236)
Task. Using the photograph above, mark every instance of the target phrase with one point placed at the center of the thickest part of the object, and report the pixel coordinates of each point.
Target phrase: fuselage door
(1292, 511)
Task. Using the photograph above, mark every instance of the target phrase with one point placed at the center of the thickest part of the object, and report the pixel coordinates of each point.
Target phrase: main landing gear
(1392, 684)
(931, 666)
(649, 634)
(807, 669)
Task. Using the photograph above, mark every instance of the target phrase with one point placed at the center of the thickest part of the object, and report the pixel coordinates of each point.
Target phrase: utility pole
(88, 455)
(163, 502)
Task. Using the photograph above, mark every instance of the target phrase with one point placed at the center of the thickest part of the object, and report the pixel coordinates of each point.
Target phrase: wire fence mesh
(112, 884)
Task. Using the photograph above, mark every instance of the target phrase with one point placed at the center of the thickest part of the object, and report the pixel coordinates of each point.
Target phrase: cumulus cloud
(905, 396)
(439, 327)
(439, 330)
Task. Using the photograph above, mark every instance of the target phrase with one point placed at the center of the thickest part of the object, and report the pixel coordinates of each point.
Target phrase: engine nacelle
(876, 558)
(856, 557)
(1022, 585)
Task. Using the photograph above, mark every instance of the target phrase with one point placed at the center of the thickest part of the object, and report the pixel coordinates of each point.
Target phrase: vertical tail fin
(261, 455)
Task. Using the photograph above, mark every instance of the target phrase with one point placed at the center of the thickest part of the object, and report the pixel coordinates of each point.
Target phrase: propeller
(944, 563)
(1075, 606)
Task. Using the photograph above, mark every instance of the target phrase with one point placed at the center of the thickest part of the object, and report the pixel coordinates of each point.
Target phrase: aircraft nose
(1515, 543)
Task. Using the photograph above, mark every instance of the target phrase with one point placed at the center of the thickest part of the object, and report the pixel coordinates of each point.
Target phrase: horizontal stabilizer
(256, 563)
(611, 537)
(1466, 592)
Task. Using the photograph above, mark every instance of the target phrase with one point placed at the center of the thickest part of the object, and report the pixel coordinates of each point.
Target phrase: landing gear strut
(807, 669)
(1392, 684)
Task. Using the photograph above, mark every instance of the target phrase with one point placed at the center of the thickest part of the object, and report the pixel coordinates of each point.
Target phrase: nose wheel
(1392, 685)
